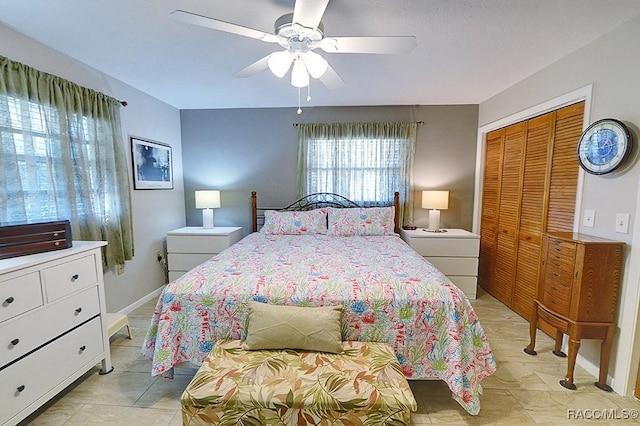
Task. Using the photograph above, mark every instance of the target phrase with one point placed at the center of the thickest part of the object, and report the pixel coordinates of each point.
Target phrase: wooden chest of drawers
(52, 325)
(577, 293)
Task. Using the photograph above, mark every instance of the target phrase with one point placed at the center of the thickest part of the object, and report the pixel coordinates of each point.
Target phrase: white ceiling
(468, 50)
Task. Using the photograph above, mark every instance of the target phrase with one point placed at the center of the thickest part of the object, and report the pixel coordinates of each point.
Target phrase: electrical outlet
(589, 218)
(159, 256)
(622, 223)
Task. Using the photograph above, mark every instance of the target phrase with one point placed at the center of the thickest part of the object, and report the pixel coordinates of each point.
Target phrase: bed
(325, 251)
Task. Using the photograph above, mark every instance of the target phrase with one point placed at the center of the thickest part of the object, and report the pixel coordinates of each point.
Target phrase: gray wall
(240, 150)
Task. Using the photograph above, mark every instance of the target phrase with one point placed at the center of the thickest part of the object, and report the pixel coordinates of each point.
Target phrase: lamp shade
(438, 200)
(316, 64)
(299, 74)
(280, 62)
(207, 199)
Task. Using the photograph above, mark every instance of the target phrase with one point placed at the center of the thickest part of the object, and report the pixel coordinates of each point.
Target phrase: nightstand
(454, 252)
(190, 246)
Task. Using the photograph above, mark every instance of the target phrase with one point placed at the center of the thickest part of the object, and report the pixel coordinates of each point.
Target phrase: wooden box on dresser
(454, 253)
(52, 325)
(190, 246)
(577, 295)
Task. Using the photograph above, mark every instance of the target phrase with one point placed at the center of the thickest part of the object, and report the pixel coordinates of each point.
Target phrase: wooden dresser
(52, 325)
(577, 295)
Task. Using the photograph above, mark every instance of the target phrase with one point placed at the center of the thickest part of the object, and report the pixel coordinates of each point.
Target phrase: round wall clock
(603, 146)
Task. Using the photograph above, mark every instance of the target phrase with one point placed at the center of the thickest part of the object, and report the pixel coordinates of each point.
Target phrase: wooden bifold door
(529, 186)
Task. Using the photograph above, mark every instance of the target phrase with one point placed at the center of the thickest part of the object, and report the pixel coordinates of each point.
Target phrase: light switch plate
(622, 223)
(589, 218)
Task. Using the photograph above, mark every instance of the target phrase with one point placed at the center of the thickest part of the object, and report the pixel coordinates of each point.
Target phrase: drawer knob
(14, 342)
(9, 300)
(75, 277)
(78, 310)
(20, 388)
(82, 348)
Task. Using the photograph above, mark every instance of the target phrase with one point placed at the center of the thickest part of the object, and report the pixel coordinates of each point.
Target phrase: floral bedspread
(389, 293)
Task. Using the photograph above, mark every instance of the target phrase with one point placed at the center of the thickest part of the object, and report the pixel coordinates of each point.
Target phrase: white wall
(611, 65)
(154, 211)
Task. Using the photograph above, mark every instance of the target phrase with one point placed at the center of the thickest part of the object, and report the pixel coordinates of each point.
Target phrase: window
(365, 162)
(61, 158)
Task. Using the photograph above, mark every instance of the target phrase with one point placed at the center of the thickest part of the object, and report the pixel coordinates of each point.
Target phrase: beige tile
(117, 388)
(129, 358)
(118, 415)
(164, 393)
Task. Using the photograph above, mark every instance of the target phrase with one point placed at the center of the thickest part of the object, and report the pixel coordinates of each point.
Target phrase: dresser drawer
(560, 273)
(454, 247)
(26, 333)
(556, 298)
(68, 277)
(562, 248)
(186, 262)
(29, 379)
(455, 265)
(468, 285)
(197, 243)
(553, 320)
(19, 295)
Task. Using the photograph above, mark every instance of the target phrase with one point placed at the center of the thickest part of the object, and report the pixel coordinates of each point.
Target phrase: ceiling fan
(300, 33)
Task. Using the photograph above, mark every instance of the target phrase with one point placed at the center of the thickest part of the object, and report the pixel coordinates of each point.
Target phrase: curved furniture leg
(557, 350)
(605, 354)
(574, 345)
(533, 325)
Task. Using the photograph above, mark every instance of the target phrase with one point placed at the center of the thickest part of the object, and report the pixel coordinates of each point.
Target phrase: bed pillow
(295, 223)
(294, 327)
(361, 221)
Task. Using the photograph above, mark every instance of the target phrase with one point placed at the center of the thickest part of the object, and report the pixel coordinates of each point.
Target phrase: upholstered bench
(295, 387)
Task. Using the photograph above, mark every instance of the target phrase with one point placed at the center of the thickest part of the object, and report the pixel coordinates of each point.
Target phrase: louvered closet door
(490, 208)
(539, 134)
(535, 180)
(509, 216)
(563, 182)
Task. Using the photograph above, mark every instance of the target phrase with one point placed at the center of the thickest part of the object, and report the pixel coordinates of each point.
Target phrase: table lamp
(207, 200)
(435, 201)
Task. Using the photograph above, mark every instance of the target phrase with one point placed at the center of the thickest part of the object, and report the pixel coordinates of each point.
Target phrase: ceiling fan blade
(216, 24)
(254, 68)
(379, 45)
(308, 13)
(331, 79)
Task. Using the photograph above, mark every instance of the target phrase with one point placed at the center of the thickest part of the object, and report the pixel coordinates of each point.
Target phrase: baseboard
(135, 305)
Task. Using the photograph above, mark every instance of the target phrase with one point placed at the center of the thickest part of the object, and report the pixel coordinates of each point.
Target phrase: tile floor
(524, 390)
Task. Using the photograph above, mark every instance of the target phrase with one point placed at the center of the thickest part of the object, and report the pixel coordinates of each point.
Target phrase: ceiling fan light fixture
(299, 74)
(316, 64)
(280, 62)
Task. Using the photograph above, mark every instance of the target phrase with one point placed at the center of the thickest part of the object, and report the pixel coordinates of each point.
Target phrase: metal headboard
(315, 201)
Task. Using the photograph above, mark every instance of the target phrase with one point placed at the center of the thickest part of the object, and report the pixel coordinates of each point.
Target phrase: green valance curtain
(365, 162)
(62, 157)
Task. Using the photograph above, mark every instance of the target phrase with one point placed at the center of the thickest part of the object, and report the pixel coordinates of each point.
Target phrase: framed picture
(152, 164)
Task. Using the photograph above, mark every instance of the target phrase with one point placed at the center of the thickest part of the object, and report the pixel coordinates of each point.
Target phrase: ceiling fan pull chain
(309, 92)
(299, 109)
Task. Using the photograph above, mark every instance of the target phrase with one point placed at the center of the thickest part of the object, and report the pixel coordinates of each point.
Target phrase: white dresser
(190, 246)
(52, 325)
(454, 252)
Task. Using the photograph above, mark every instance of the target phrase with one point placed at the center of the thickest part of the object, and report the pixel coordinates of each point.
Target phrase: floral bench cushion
(234, 386)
